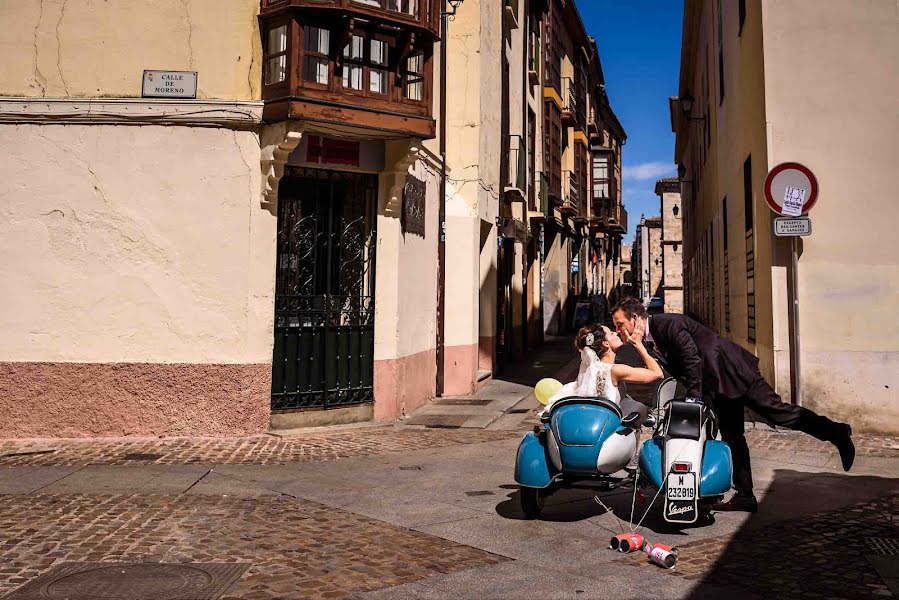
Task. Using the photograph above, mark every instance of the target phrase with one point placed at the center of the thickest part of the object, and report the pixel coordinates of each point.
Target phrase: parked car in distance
(656, 306)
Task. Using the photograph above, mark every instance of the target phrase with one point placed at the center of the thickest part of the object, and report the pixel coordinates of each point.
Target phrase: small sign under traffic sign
(789, 227)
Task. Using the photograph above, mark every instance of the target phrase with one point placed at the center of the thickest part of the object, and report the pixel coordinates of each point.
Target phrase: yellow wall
(85, 48)
(134, 244)
(811, 82)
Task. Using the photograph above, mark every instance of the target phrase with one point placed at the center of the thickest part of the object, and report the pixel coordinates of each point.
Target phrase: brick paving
(820, 556)
(258, 450)
(297, 548)
(785, 440)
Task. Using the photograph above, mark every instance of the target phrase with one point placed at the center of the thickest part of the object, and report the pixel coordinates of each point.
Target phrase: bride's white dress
(594, 378)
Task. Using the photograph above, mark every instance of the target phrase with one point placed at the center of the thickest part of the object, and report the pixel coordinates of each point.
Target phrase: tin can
(626, 542)
(664, 556)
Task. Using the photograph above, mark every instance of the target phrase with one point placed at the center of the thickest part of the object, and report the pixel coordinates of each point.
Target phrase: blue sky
(639, 46)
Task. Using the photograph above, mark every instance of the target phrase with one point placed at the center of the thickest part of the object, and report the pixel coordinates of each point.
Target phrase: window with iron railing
(569, 189)
(543, 189)
(569, 97)
(517, 169)
(534, 49)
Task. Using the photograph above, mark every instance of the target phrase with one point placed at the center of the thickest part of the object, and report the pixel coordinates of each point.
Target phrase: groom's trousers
(762, 399)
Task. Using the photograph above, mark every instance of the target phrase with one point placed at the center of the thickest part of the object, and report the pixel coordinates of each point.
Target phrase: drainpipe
(441, 202)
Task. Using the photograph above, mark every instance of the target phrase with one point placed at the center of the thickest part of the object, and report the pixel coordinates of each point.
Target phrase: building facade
(262, 254)
(672, 285)
(646, 258)
(752, 96)
(240, 225)
(580, 185)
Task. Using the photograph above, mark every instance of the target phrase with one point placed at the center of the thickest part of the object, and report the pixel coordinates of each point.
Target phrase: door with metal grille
(324, 290)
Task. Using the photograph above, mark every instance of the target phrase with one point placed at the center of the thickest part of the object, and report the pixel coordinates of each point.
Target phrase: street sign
(791, 189)
(789, 226)
(169, 84)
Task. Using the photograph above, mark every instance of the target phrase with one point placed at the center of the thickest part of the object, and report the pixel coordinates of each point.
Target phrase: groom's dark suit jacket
(703, 361)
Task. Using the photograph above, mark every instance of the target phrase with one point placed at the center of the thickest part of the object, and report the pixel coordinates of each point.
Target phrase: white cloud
(650, 170)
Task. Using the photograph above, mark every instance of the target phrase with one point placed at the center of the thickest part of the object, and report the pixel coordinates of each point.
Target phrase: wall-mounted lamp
(454, 4)
(686, 106)
(675, 210)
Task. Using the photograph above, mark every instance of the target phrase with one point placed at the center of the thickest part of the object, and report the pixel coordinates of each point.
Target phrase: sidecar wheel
(532, 501)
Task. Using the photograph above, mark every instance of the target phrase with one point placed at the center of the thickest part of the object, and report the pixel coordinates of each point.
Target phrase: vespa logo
(679, 510)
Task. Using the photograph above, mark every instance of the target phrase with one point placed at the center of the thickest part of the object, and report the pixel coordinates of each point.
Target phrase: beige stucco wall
(87, 48)
(792, 81)
(831, 80)
(134, 244)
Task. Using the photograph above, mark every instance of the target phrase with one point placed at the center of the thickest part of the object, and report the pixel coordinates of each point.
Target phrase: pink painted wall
(133, 399)
(404, 384)
(460, 367)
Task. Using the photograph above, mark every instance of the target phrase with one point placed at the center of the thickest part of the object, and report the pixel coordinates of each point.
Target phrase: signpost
(791, 189)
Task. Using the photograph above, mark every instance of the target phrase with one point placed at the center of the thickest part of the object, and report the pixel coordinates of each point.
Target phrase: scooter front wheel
(532, 500)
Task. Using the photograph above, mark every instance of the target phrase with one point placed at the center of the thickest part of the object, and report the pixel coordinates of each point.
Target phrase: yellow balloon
(546, 389)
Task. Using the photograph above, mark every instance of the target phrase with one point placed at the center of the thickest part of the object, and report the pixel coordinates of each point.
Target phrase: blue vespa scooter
(585, 442)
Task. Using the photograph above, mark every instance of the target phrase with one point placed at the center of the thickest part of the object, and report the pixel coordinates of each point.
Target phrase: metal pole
(441, 203)
(794, 283)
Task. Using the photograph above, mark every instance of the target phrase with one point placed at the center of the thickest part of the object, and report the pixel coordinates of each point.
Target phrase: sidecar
(581, 441)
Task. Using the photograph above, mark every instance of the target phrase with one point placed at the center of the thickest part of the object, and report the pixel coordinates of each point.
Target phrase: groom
(725, 373)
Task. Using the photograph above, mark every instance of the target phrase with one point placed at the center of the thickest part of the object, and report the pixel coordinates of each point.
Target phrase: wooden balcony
(569, 102)
(618, 220)
(570, 203)
(422, 16)
(360, 64)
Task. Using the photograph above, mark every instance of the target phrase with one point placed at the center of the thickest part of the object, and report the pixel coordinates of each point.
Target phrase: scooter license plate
(680, 498)
(682, 486)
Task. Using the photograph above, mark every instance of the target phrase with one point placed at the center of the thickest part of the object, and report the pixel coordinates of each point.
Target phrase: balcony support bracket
(401, 155)
(278, 141)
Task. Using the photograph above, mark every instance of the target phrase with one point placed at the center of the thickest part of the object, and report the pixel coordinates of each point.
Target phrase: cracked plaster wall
(130, 244)
(99, 48)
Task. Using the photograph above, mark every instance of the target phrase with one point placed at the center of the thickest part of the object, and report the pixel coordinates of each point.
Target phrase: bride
(599, 376)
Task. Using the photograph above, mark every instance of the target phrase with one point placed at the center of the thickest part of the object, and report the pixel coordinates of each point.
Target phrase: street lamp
(454, 4)
(686, 106)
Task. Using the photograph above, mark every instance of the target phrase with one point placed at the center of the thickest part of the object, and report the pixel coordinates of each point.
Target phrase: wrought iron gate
(324, 290)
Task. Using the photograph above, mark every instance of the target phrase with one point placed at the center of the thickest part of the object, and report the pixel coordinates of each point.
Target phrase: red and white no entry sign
(791, 189)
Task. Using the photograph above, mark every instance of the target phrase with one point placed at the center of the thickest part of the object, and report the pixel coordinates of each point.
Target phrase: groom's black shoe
(738, 503)
(843, 441)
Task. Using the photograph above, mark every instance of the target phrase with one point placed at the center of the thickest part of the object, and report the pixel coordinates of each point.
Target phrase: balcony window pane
(414, 85)
(276, 69)
(378, 52)
(316, 39)
(277, 40)
(352, 76)
(402, 6)
(378, 81)
(375, 3)
(316, 69)
(316, 42)
(354, 48)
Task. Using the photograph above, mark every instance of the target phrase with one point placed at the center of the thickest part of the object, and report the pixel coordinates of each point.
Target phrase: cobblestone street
(394, 512)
